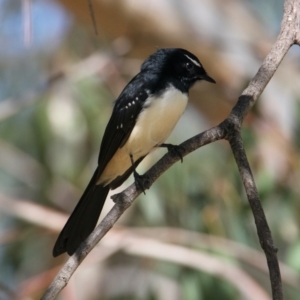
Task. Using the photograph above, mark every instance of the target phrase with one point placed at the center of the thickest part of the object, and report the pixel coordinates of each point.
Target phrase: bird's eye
(189, 66)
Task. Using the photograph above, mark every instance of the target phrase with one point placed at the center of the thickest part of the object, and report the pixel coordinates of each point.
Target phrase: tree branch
(263, 229)
(229, 129)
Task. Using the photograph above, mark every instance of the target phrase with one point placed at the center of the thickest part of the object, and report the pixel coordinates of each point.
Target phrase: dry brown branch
(229, 129)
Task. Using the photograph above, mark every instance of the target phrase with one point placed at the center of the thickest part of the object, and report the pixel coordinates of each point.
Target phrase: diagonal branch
(287, 37)
(263, 229)
(92, 15)
(123, 201)
(229, 129)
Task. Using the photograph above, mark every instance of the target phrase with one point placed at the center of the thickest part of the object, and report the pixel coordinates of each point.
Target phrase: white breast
(156, 121)
(152, 128)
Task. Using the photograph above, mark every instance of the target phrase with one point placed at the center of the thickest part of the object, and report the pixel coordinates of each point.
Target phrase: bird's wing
(125, 113)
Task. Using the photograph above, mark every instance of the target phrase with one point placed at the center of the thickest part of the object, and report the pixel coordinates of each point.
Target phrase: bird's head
(176, 63)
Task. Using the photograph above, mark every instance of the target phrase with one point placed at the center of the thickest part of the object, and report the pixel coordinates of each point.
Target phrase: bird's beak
(207, 78)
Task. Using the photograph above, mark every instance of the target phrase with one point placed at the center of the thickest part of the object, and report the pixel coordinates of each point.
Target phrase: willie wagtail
(143, 117)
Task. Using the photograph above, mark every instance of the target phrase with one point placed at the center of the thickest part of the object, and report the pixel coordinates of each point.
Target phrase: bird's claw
(140, 182)
(175, 150)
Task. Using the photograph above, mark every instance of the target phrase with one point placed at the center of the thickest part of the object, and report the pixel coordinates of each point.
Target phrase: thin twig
(263, 229)
(287, 37)
(92, 14)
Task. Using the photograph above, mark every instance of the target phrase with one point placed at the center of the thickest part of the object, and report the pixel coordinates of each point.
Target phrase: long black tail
(83, 219)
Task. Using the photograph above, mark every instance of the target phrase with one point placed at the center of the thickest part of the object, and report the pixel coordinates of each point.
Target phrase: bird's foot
(142, 183)
(174, 150)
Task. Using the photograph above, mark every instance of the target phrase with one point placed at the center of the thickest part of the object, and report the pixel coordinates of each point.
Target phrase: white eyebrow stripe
(193, 61)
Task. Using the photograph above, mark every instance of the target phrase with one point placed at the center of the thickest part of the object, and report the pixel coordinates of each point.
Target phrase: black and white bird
(143, 117)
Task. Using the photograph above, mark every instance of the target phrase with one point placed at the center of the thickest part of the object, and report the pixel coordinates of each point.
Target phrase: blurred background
(192, 236)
